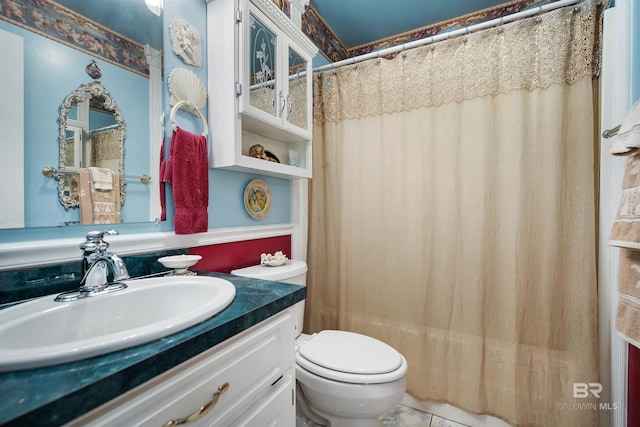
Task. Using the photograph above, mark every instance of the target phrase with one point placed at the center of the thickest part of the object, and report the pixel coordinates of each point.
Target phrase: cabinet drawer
(249, 363)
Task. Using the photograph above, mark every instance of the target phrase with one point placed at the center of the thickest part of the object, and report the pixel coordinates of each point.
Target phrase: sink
(42, 332)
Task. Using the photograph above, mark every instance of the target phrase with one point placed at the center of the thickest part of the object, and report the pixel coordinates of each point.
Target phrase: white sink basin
(43, 332)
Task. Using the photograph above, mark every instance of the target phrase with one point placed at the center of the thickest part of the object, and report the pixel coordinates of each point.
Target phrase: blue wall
(46, 61)
(226, 189)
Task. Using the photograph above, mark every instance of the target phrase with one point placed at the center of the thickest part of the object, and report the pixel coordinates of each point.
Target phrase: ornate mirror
(92, 134)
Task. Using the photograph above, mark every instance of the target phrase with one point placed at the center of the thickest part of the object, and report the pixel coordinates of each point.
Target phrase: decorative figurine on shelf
(259, 152)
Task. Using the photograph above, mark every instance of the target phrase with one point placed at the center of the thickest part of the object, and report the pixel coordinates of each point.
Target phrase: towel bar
(51, 172)
(610, 133)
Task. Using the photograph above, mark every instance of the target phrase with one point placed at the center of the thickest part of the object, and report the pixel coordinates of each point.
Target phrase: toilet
(344, 379)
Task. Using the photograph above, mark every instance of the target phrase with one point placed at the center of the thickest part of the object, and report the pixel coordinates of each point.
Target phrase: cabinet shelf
(265, 167)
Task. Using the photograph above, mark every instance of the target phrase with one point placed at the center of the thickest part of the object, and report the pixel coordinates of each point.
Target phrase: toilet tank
(293, 271)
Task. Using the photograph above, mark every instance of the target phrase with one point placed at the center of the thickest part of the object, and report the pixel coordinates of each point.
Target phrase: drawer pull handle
(202, 411)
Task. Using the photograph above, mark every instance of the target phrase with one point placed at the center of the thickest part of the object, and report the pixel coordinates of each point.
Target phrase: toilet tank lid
(289, 269)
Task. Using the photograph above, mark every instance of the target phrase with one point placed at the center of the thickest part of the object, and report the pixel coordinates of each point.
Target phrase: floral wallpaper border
(332, 49)
(49, 19)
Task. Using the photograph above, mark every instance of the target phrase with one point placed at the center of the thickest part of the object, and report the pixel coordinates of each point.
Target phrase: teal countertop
(58, 394)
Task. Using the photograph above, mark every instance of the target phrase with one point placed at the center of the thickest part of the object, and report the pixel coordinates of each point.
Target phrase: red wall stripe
(225, 257)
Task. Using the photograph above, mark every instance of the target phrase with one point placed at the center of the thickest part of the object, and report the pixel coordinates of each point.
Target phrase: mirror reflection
(51, 44)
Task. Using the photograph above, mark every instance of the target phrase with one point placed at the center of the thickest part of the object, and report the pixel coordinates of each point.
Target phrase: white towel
(101, 178)
(628, 139)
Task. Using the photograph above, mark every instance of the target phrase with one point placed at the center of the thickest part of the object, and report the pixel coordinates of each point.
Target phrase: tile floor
(404, 416)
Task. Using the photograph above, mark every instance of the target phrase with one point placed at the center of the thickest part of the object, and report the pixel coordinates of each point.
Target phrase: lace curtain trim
(558, 47)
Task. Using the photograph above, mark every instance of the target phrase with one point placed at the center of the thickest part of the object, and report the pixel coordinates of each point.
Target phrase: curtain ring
(538, 18)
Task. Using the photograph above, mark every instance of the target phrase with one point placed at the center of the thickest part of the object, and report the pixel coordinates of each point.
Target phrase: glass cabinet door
(263, 54)
(297, 91)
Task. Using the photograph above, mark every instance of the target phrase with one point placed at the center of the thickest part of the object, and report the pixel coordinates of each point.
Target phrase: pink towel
(187, 170)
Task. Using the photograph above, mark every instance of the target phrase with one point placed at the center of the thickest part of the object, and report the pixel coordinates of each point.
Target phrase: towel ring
(181, 104)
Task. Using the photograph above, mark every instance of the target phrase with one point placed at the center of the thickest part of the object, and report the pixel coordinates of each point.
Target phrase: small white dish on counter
(179, 261)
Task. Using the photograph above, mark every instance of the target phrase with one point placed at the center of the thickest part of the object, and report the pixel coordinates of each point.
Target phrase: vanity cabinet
(260, 86)
(247, 380)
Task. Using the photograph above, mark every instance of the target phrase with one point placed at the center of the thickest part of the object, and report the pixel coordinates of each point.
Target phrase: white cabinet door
(276, 76)
(261, 68)
(298, 109)
(214, 388)
(277, 409)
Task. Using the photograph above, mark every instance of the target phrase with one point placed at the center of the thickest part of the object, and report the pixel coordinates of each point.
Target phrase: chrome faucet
(102, 271)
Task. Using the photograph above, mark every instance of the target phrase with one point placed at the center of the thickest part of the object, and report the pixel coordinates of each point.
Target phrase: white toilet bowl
(347, 379)
(343, 379)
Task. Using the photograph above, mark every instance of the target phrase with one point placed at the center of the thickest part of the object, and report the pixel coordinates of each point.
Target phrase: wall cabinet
(260, 88)
(248, 380)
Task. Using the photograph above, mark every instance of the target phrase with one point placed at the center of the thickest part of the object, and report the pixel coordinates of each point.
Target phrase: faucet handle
(94, 241)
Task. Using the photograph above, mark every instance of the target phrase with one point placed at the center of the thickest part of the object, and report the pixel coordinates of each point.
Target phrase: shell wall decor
(187, 43)
(184, 85)
(187, 93)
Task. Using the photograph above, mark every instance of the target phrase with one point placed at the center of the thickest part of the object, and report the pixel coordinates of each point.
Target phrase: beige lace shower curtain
(105, 149)
(453, 215)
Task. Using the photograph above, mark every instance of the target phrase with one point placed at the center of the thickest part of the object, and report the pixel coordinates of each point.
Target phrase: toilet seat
(351, 358)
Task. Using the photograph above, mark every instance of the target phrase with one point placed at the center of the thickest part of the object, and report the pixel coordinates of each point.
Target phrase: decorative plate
(257, 199)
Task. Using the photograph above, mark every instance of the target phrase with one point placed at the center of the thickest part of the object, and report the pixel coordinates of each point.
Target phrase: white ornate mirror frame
(85, 93)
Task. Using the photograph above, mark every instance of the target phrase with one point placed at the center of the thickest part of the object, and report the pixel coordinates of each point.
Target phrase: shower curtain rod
(114, 126)
(444, 36)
